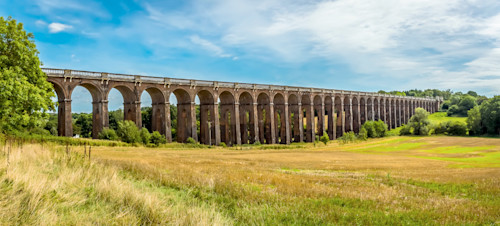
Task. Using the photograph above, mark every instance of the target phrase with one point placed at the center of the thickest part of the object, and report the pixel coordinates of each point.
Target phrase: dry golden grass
(353, 183)
(397, 180)
(40, 186)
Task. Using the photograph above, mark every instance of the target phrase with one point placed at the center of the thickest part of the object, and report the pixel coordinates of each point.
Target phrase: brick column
(255, 122)
(287, 124)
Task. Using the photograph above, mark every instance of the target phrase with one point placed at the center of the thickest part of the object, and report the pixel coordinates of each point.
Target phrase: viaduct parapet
(234, 113)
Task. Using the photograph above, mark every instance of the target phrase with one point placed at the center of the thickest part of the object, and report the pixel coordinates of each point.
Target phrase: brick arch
(296, 130)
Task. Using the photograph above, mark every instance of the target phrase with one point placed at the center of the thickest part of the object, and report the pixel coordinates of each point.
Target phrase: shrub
(222, 144)
(347, 137)
(453, 110)
(157, 139)
(474, 121)
(108, 134)
(362, 135)
(257, 143)
(145, 136)
(442, 128)
(325, 138)
(405, 130)
(457, 128)
(128, 132)
(375, 129)
(190, 140)
(418, 125)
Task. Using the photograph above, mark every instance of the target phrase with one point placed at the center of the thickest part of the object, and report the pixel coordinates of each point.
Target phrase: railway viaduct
(234, 113)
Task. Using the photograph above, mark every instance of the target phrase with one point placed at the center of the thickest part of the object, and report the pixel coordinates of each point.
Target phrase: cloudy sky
(361, 45)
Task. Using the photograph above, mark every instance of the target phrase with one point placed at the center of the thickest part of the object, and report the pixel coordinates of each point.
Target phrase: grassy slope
(439, 117)
(396, 180)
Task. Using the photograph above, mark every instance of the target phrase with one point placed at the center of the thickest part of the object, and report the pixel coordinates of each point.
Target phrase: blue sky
(345, 44)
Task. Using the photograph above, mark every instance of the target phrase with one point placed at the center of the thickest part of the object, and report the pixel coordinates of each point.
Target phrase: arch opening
(227, 119)
(295, 118)
(247, 119)
(264, 117)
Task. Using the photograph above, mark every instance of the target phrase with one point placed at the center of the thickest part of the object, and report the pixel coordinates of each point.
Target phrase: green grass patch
(440, 117)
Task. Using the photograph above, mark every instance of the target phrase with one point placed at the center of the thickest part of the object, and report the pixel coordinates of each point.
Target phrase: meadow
(394, 180)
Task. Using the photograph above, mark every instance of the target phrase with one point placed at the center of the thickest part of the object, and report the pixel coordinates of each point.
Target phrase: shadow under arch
(158, 110)
(186, 116)
(247, 119)
(264, 117)
(227, 119)
(295, 119)
(279, 119)
(208, 117)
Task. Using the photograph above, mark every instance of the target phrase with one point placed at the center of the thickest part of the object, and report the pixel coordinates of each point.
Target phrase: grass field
(439, 117)
(395, 180)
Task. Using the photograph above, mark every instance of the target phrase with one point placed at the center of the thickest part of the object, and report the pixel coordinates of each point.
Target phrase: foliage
(128, 132)
(84, 121)
(222, 144)
(457, 128)
(115, 117)
(375, 129)
(461, 104)
(363, 134)
(190, 140)
(325, 138)
(490, 115)
(25, 94)
(348, 137)
(108, 134)
(145, 136)
(147, 114)
(474, 121)
(418, 124)
(157, 139)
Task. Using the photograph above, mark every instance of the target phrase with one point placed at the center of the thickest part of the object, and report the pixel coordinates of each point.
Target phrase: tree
(84, 121)
(490, 115)
(145, 136)
(24, 91)
(128, 132)
(147, 115)
(419, 123)
(157, 138)
(114, 118)
(466, 103)
(474, 121)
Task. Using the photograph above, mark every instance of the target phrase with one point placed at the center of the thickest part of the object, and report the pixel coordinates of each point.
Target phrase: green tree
(84, 121)
(147, 115)
(157, 138)
(466, 103)
(108, 134)
(418, 124)
(474, 121)
(128, 132)
(24, 91)
(490, 115)
(114, 118)
(145, 136)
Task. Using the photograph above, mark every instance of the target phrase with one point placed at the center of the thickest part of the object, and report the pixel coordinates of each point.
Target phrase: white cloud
(58, 27)
(209, 46)
(412, 40)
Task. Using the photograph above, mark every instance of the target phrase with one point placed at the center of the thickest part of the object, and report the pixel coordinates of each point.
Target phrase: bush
(325, 138)
(108, 134)
(375, 129)
(457, 128)
(405, 130)
(157, 139)
(442, 128)
(257, 143)
(474, 121)
(419, 122)
(190, 140)
(128, 132)
(145, 136)
(348, 137)
(362, 135)
(453, 110)
(222, 144)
